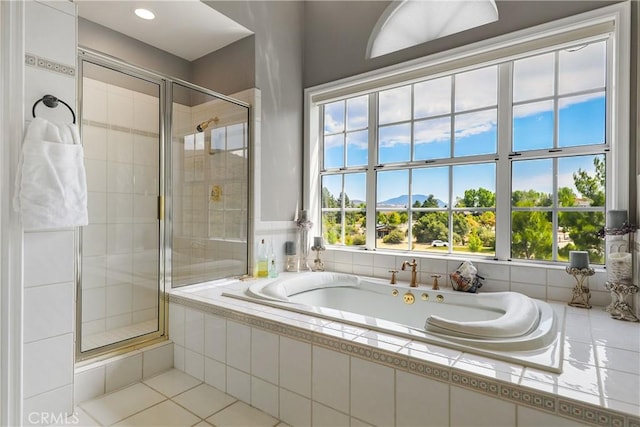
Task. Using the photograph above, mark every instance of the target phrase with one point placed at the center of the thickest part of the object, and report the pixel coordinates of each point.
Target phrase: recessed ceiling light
(144, 14)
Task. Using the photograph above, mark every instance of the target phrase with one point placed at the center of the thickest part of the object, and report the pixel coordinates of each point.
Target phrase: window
(509, 158)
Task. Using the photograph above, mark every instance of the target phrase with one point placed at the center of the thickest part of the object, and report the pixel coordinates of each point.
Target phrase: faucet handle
(393, 276)
(435, 281)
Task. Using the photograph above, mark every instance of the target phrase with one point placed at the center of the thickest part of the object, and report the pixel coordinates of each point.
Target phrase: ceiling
(186, 28)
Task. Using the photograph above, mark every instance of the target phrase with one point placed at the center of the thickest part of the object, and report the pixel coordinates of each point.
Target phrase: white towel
(51, 184)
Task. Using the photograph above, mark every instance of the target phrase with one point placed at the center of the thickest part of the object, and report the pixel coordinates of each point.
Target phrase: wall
(49, 272)
(335, 51)
(279, 35)
(96, 37)
(227, 70)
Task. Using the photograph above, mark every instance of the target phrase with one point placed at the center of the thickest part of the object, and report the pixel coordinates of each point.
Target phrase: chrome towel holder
(52, 102)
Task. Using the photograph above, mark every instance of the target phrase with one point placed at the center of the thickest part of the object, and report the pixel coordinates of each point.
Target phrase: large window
(511, 154)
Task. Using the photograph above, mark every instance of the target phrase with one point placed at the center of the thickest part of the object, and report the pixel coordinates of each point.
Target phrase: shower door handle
(160, 208)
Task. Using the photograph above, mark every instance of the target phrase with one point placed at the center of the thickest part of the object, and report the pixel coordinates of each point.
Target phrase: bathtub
(504, 325)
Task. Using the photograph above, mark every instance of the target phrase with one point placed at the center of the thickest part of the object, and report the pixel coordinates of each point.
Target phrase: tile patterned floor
(172, 398)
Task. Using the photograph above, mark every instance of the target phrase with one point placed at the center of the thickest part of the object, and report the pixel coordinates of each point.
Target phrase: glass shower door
(209, 186)
(120, 282)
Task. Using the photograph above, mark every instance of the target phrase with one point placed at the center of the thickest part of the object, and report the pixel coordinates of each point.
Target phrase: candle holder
(581, 294)
(619, 309)
(304, 225)
(318, 265)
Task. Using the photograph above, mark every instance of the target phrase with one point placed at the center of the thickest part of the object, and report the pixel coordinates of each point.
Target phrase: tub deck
(599, 383)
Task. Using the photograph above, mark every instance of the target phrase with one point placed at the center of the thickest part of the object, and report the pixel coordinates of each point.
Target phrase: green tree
(480, 198)
(431, 226)
(475, 244)
(531, 235)
(394, 237)
(566, 196)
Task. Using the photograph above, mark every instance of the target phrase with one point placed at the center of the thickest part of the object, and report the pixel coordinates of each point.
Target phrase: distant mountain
(404, 200)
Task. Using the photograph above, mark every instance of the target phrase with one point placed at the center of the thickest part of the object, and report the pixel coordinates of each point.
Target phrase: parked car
(439, 243)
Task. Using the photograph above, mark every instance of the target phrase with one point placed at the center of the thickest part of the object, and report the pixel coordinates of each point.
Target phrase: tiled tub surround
(307, 370)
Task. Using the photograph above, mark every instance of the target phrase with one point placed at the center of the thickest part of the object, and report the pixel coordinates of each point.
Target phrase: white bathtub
(504, 325)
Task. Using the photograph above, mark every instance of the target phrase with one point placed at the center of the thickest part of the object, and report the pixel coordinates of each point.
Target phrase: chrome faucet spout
(414, 274)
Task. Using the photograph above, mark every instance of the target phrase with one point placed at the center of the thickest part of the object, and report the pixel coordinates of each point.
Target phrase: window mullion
(503, 166)
(371, 172)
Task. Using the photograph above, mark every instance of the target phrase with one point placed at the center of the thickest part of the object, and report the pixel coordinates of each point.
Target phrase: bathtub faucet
(414, 274)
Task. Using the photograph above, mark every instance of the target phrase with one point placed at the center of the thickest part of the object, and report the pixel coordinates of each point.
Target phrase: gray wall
(96, 37)
(337, 33)
(227, 70)
(279, 35)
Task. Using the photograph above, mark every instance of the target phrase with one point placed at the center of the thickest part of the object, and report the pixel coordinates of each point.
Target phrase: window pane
(430, 187)
(394, 143)
(430, 231)
(391, 230)
(334, 151)
(432, 139)
(533, 77)
(476, 89)
(331, 227)
(395, 105)
(358, 113)
(235, 137)
(357, 148)
(355, 228)
(432, 98)
(582, 120)
(475, 133)
(533, 126)
(531, 235)
(331, 189)
(532, 183)
(355, 185)
(334, 117)
(474, 185)
(577, 232)
(393, 189)
(582, 68)
(581, 181)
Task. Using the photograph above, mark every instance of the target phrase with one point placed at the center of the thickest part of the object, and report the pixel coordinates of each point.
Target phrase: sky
(465, 124)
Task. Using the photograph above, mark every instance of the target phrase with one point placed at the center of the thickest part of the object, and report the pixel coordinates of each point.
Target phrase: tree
(480, 198)
(531, 235)
(394, 237)
(583, 226)
(431, 226)
(475, 244)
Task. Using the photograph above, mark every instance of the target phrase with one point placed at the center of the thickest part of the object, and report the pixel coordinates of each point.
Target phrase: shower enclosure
(168, 181)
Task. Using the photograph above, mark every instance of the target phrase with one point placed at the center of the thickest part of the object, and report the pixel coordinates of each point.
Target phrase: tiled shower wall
(120, 244)
(49, 255)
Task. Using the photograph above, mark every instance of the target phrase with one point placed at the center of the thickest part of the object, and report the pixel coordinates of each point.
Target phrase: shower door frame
(164, 200)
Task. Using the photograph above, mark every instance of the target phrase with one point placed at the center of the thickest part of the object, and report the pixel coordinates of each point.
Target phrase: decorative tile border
(577, 411)
(47, 64)
(120, 128)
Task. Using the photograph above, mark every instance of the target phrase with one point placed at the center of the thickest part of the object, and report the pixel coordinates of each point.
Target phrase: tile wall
(97, 378)
(120, 244)
(550, 283)
(49, 271)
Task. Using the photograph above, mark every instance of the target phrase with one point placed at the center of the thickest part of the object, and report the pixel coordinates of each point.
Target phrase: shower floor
(111, 336)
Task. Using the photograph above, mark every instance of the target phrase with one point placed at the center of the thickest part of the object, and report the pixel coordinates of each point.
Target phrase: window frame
(612, 22)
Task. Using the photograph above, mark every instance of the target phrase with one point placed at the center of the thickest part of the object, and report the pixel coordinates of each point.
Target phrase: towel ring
(52, 102)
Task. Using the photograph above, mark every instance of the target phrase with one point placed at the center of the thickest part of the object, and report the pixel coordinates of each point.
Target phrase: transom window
(510, 154)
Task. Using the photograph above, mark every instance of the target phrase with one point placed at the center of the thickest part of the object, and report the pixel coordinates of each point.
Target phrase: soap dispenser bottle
(273, 269)
(263, 260)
